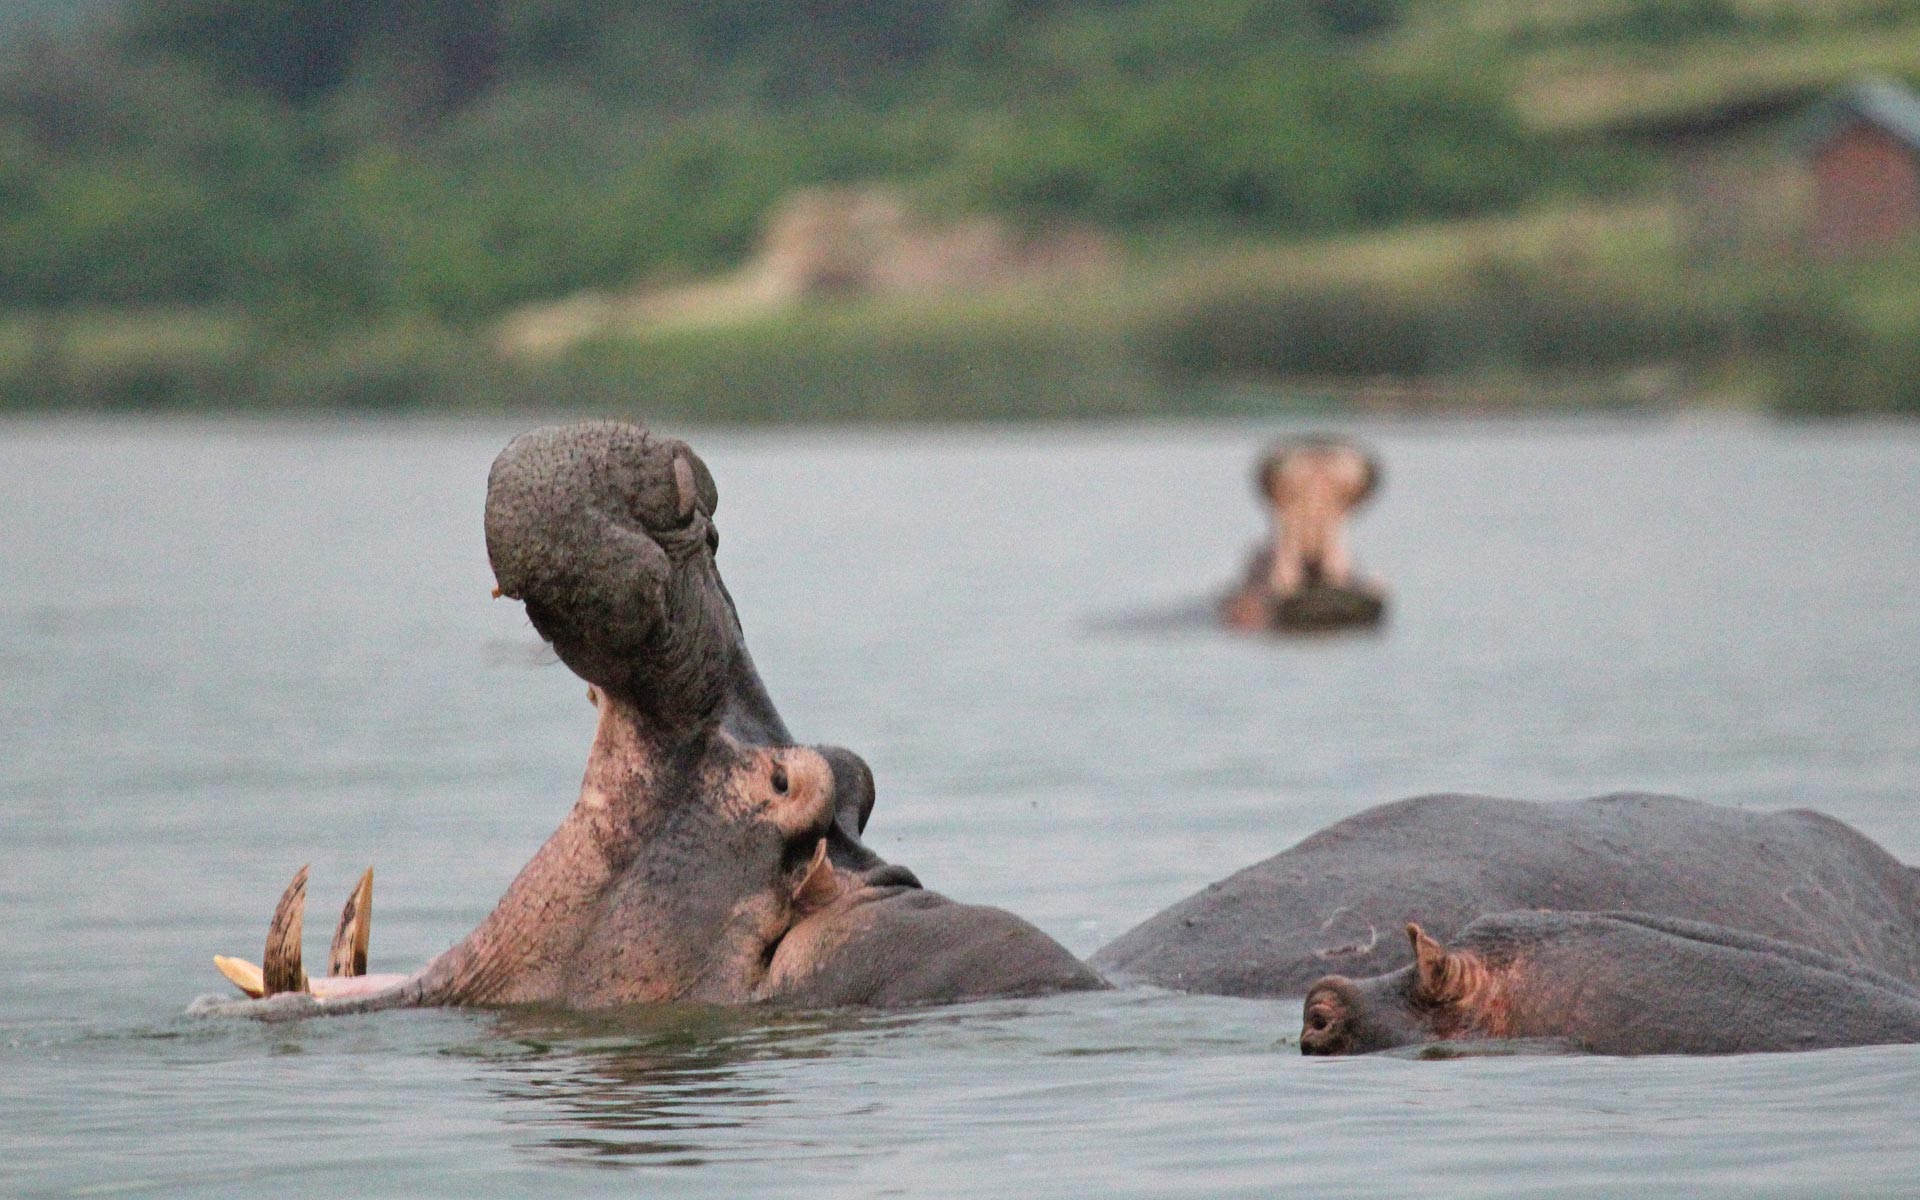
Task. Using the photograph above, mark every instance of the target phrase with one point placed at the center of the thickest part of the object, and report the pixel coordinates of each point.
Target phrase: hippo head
(606, 533)
(1442, 995)
(708, 857)
(676, 877)
(1344, 470)
(1304, 577)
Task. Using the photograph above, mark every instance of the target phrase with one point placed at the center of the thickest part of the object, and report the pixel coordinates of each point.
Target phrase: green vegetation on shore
(272, 204)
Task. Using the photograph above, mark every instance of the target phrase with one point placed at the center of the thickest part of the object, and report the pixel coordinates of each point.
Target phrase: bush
(126, 361)
(1861, 374)
(1500, 318)
(1342, 330)
(870, 366)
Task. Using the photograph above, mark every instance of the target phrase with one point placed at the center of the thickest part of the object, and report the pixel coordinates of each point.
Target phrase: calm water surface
(228, 649)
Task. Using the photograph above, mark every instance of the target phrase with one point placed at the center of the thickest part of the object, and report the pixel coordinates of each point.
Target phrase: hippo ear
(1439, 977)
(819, 886)
(1264, 473)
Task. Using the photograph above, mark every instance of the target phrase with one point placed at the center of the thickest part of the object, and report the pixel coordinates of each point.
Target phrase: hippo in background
(708, 859)
(1334, 902)
(1612, 983)
(1303, 579)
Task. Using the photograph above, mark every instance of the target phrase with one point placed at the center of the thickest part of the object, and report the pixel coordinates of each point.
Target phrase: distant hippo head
(1613, 983)
(1342, 471)
(1304, 577)
(1441, 995)
(708, 858)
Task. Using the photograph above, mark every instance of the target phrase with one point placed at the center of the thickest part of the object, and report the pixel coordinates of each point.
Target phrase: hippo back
(1336, 902)
(1626, 983)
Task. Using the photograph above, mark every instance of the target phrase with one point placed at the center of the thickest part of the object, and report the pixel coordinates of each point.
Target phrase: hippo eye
(779, 779)
(1317, 1021)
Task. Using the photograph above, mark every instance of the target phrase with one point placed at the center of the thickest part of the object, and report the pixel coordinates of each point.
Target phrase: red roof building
(1862, 150)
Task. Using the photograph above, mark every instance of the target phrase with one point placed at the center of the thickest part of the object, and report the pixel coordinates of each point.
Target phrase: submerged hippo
(1612, 983)
(1303, 578)
(708, 859)
(1335, 901)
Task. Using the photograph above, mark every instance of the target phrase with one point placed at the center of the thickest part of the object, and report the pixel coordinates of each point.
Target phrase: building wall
(1740, 198)
(1866, 191)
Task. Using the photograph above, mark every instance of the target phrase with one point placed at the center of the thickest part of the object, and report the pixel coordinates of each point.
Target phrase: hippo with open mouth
(1612, 983)
(1303, 579)
(709, 859)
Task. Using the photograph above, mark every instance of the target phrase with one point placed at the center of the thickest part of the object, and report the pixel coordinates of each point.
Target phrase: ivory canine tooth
(243, 974)
(280, 969)
(348, 955)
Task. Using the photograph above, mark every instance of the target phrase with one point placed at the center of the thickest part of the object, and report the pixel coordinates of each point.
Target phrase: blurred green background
(948, 209)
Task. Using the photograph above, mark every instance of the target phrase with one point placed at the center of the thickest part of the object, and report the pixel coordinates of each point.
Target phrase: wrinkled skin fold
(708, 859)
(1612, 983)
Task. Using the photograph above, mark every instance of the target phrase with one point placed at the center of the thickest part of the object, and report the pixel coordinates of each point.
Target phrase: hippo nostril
(779, 779)
(686, 490)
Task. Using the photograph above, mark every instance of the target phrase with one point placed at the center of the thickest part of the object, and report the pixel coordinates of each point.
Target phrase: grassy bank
(1574, 307)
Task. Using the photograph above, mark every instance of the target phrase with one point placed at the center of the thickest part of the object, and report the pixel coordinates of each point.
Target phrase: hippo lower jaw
(282, 974)
(606, 915)
(891, 945)
(878, 938)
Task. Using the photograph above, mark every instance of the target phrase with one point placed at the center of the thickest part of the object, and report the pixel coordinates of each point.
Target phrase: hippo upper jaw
(605, 532)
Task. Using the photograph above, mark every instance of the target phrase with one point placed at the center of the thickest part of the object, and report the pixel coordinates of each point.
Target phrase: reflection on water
(231, 649)
(686, 1087)
(643, 1085)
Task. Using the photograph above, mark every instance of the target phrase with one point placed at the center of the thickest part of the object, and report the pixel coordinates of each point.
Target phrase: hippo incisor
(1612, 983)
(708, 859)
(1303, 577)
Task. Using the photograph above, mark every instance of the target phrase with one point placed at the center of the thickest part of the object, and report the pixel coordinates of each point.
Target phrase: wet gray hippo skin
(708, 858)
(1336, 902)
(1612, 983)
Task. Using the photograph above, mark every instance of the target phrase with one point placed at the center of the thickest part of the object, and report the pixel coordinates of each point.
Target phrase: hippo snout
(890, 875)
(1326, 1022)
(853, 797)
(852, 787)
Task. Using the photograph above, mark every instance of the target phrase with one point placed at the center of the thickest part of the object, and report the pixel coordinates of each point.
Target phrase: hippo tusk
(349, 953)
(280, 969)
(243, 975)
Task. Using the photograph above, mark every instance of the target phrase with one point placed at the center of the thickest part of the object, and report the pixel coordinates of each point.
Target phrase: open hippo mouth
(709, 858)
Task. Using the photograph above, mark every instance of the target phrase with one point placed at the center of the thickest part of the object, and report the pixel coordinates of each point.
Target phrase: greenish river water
(230, 648)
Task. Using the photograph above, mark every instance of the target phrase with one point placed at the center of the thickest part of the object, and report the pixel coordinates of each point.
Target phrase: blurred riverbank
(1572, 309)
(1050, 209)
